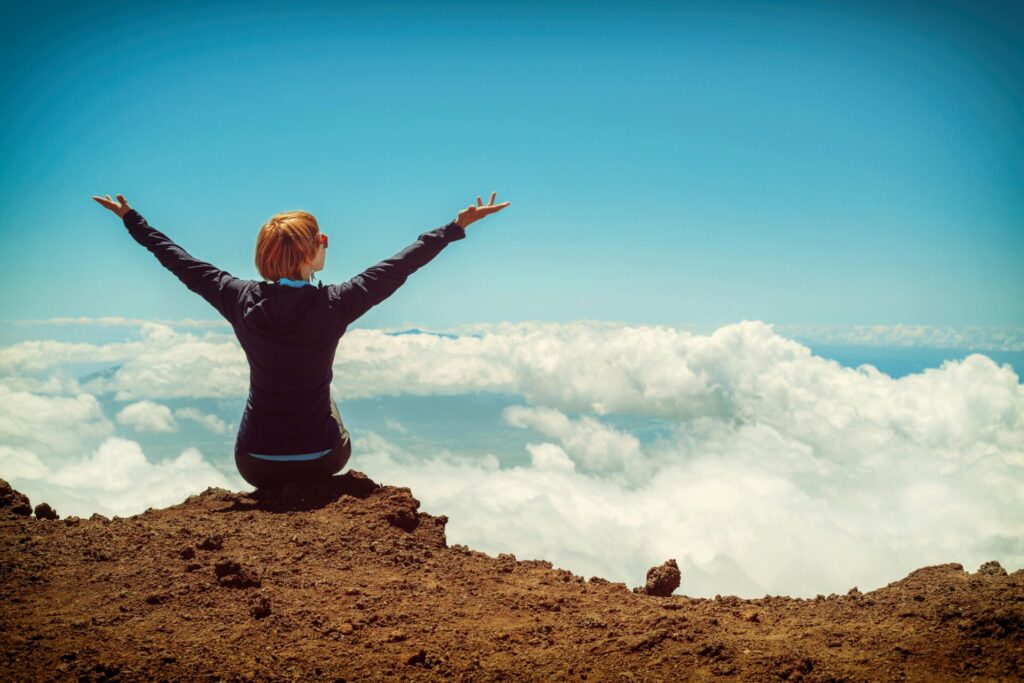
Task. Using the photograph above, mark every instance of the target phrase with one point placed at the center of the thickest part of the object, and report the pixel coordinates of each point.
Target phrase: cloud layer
(781, 472)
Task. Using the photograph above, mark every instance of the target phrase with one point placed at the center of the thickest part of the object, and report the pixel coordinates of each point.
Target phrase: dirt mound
(348, 580)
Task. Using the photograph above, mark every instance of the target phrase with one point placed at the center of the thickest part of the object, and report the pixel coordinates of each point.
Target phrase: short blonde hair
(284, 243)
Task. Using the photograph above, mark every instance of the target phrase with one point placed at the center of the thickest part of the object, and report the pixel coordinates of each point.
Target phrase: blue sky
(799, 163)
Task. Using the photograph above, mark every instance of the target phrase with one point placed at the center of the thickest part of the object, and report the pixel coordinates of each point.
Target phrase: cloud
(115, 479)
(972, 337)
(777, 470)
(211, 422)
(117, 321)
(57, 424)
(169, 364)
(57, 382)
(146, 416)
(595, 446)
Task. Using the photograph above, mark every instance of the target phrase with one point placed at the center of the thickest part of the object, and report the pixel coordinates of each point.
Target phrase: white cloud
(211, 422)
(550, 457)
(911, 336)
(146, 416)
(21, 463)
(57, 382)
(118, 321)
(115, 479)
(56, 424)
(781, 472)
(168, 364)
(595, 446)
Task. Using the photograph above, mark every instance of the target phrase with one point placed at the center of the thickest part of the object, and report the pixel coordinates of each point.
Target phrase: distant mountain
(418, 331)
(106, 373)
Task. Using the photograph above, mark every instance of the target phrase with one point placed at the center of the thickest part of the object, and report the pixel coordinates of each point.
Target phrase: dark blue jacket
(290, 334)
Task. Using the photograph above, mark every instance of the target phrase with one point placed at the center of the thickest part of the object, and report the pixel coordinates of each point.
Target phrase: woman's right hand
(474, 213)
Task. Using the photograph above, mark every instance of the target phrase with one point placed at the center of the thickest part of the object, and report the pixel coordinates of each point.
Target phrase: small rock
(854, 592)
(227, 566)
(260, 607)
(346, 628)
(214, 542)
(97, 517)
(44, 511)
(992, 568)
(187, 552)
(231, 574)
(662, 580)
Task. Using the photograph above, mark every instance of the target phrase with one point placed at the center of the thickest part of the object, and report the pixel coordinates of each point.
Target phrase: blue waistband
(301, 456)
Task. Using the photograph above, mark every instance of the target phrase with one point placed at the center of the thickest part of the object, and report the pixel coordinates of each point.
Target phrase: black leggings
(267, 473)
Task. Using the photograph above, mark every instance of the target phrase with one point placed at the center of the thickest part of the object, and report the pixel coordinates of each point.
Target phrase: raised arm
(220, 289)
(375, 284)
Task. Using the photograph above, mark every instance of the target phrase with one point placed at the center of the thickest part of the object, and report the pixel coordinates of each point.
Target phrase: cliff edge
(347, 580)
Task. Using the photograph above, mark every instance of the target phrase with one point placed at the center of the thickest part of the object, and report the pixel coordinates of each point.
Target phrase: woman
(291, 430)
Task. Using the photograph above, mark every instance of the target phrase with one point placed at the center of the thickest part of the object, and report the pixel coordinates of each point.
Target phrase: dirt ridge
(347, 580)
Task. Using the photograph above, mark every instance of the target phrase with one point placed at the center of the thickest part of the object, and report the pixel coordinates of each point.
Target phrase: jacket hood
(280, 308)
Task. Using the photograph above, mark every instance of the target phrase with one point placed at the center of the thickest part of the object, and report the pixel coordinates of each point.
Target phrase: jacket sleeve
(375, 284)
(218, 287)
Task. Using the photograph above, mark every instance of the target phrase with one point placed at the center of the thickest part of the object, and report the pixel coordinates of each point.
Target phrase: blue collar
(293, 283)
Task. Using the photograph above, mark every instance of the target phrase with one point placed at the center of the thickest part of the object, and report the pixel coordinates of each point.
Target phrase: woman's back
(289, 336)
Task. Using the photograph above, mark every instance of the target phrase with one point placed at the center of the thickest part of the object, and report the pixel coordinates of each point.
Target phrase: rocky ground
(348, 580)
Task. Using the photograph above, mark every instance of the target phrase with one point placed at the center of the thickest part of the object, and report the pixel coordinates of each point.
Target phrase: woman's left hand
(119, 208)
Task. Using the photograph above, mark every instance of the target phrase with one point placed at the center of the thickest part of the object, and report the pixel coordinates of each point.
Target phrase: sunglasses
(322, 240)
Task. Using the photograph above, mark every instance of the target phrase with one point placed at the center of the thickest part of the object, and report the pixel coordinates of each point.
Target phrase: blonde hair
(284, 243)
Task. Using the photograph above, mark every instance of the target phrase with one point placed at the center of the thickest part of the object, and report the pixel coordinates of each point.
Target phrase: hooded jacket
(290, 334)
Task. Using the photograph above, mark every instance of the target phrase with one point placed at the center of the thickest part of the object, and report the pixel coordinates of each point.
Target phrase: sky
(813, 163)
(755, 304)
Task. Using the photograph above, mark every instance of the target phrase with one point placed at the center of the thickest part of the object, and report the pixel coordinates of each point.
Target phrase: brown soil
(348, 580)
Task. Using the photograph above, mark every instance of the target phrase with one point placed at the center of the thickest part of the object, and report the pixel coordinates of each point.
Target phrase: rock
(187, 552)
(97, 517)
(44, 511)
(214, 542)
(14, 501)
(231, 574)
(403, 507)
(662, 580)
(226, 567)
(991, 568)
(259, 608)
